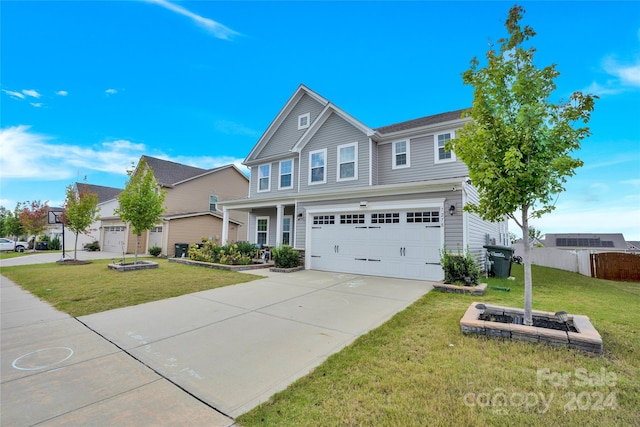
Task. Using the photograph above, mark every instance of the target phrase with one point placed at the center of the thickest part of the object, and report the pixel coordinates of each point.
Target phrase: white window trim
(280, 175)
(355, 165)
(290, 217)
(408, 153)
(258, 218)
(324, 178)
(436, 151)
(302, 116)
(268, 178)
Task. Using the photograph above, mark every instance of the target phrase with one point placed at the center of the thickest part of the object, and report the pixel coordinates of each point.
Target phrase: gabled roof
(169, 173)
(586, 240)
(322, 117)
(378, 134)
(104, 193)
(284, 112)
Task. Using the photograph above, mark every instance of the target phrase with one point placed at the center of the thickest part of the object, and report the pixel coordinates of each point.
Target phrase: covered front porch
(269, 223)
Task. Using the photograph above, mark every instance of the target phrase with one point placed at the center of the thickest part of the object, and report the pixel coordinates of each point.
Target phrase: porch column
(280, 211)
(225, 225)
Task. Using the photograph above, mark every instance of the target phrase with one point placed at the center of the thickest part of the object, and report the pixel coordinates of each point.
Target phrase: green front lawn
(92, 288)
(418, 369)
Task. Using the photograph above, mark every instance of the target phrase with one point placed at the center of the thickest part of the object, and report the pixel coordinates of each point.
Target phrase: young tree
(80, 210)
(534, 233)
(141, 202)
(11, 224)
(518, 145)
(34, 217)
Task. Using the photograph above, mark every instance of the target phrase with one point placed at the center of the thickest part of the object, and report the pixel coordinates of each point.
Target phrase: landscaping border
(221, 266)
(477, 290)
(587, 338)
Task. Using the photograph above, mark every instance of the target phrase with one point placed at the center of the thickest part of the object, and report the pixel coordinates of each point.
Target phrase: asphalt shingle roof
(104, 193)
(422, 121)
(169, 173)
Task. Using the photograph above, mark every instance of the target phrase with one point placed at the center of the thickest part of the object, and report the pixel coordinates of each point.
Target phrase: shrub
(207, 251)
(248, 249)
(94, 246)
(155, 250)
(54, 244)
(230, 255)
(285, 257)
(460, 269)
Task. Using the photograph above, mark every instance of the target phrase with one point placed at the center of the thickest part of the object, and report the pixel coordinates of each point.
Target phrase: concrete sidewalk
(171, 362)
(55, 371)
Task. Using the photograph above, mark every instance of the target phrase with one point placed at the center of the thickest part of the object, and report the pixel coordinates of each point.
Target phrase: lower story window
(262, 230)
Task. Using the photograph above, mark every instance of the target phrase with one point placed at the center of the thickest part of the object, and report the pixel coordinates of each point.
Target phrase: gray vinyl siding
(422, 164)
(274, 181)
(334, 132)
(288, 134)
(479, 230)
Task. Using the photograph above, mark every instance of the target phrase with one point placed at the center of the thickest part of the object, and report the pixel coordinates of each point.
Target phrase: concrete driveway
(199, 359)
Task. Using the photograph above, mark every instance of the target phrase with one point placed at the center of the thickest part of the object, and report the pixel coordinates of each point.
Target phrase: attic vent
(303, 121)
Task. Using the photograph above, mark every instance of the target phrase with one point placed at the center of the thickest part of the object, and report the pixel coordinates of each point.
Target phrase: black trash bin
(42, 246)
(500, 257)
(181, 250)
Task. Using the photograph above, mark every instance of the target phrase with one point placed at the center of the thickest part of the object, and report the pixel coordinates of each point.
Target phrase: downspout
(370, 162)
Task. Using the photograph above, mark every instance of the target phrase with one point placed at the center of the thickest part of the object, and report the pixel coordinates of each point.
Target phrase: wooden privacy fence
(616, 266)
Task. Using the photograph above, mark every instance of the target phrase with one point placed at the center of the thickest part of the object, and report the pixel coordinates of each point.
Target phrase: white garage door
(113, 239)
(403, 244)
(155, 237)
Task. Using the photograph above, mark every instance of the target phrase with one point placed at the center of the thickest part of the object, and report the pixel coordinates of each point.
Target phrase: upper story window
(303, 121)
(401, 154)
(347, 162)
(286, 174)
(317, 167)
(213, 203)
(442, 155)
(264, 178)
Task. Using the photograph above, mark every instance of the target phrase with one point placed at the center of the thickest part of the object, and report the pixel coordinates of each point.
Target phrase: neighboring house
(634, 246)
(380, 201)
(595, 242)
(192, 210)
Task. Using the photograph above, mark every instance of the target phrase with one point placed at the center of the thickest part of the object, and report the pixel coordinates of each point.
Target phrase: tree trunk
(75, 248)
(528, 291)
(135, 257)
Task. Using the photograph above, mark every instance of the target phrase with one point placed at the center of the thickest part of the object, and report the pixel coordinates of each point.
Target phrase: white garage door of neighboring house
(114, 238)
(403, 244)
(155, 237)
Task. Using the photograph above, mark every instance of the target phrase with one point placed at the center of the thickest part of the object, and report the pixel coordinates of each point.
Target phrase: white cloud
(13, 94)
(27, 154)
(111, 91)
(628, 74)
(215, 28)
(233, 128)
(632, 182)
(36, 104)
(622, 77)
(32, 93)
(62, 93)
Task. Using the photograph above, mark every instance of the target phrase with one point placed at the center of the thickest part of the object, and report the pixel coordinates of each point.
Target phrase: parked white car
(10, 245)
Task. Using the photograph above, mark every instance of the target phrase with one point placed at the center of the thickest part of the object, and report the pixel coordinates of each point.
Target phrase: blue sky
(86, 87)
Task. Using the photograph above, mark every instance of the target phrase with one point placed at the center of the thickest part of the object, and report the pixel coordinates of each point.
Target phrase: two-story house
(360, 200)
(192, 210)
